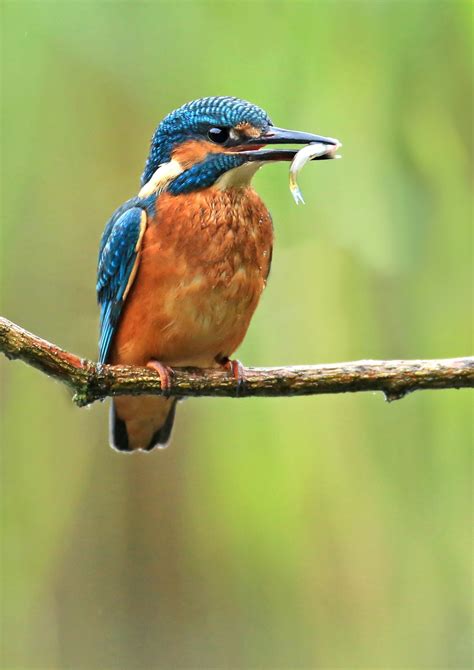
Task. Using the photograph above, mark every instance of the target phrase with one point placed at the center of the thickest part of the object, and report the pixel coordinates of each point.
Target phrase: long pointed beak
(276, 135)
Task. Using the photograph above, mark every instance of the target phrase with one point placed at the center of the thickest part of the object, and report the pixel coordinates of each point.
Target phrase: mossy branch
(91, 381)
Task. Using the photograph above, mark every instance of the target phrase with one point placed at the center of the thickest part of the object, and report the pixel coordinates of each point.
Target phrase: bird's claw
(236, 370)
(165, 374)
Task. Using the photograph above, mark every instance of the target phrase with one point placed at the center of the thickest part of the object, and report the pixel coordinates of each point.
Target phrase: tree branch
(92, 381)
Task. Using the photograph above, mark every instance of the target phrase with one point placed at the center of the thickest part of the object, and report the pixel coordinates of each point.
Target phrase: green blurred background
(323, 532)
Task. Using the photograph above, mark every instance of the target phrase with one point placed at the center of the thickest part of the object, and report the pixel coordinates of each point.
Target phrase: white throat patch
(238, 177)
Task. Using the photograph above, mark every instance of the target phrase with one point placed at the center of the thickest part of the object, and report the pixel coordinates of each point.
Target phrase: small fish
(310, 152)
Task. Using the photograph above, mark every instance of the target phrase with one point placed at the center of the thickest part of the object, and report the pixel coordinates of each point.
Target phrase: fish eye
(218, 135)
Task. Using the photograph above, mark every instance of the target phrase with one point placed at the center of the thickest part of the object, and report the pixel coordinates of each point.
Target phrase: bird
(183, 263)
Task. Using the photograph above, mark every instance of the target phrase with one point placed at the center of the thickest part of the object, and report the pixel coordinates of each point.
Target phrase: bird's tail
(143, 422)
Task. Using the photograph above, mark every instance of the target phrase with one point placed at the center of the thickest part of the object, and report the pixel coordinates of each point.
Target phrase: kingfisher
(183, 263)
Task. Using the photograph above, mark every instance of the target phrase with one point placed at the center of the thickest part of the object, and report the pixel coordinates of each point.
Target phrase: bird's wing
(119, 256)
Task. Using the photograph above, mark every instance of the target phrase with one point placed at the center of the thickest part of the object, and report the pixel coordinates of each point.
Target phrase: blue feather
(117, 257)
(204, 174)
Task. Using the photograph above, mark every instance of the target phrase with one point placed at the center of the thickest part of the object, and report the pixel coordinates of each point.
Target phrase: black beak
(281, 136)
(276, 135)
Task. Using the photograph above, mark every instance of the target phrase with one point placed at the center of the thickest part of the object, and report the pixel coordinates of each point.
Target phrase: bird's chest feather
(219, 236)
(204, 263)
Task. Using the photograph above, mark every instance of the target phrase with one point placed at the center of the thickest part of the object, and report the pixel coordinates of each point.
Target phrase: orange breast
(204, 263)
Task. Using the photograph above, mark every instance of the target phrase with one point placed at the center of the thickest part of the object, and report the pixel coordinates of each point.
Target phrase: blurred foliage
(315, 532)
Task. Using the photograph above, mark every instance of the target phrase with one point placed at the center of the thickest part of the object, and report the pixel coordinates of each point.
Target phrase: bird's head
(216, 141)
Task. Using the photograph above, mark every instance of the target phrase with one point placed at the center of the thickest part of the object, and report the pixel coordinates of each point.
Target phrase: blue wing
(119, 255)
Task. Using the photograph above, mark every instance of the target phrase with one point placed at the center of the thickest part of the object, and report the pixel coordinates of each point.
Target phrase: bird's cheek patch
(194, 151)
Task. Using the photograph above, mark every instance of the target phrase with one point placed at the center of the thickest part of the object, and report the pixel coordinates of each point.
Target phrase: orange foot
(236, 369)
(165, 376)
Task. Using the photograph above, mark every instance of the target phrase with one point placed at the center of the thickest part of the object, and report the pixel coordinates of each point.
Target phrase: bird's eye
(218, 135)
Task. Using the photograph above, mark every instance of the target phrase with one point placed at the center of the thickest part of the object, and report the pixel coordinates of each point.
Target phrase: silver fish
(304, 155)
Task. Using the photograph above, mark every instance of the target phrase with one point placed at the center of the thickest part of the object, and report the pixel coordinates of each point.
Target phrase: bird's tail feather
(143, 422)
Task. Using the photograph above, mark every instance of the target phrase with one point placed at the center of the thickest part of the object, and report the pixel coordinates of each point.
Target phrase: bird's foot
(165, 374)
(236, 370)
